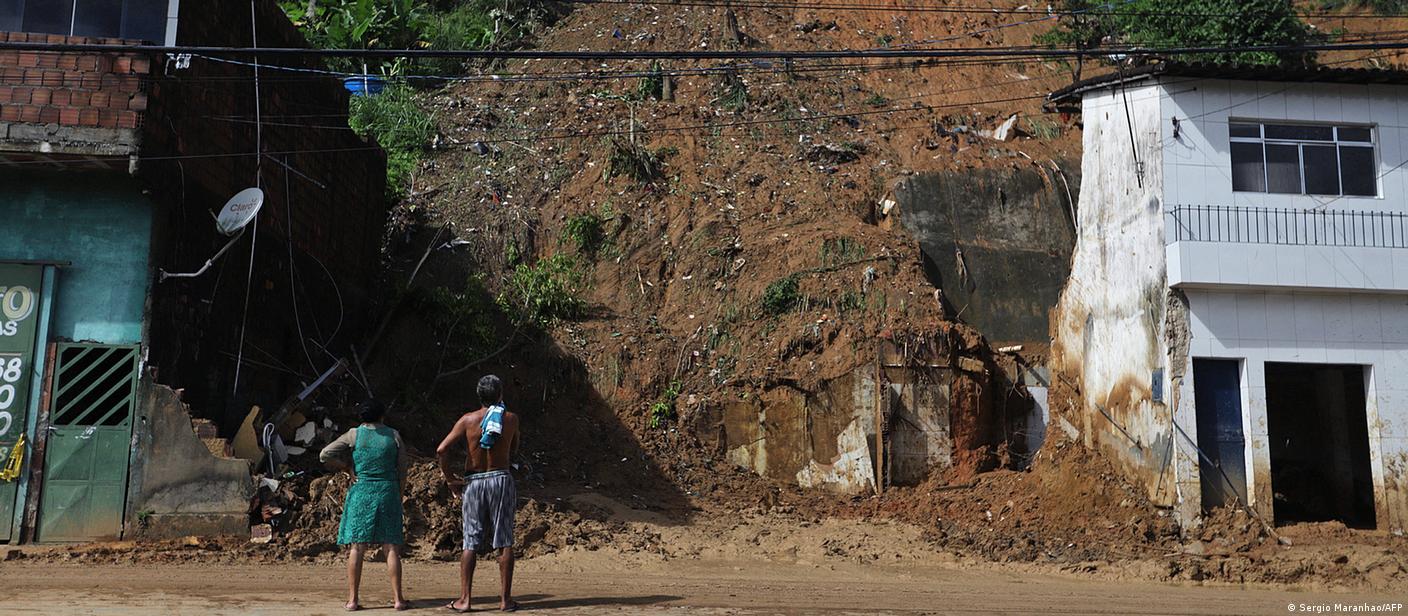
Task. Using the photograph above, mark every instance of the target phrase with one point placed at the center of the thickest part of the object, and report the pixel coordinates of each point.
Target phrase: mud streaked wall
(1109, 329)
(935, 409)
(819, 439)
(101, 225)
(1014, 232)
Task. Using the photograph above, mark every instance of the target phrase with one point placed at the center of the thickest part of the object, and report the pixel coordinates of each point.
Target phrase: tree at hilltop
(1095, 24)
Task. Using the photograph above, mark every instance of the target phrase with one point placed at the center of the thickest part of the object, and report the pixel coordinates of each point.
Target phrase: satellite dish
(239, 210)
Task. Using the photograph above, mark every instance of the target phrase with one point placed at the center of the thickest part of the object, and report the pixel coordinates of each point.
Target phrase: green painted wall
(99, 222)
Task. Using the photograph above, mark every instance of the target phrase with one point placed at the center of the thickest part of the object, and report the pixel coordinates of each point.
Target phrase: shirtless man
(488, 496)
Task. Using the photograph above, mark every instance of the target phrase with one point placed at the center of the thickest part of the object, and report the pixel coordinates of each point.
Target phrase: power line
(602, 133)
(1032, 80)
(965, 9)
(87, 159)
(756, 66)
(777, 54)
(666, 129)
(866, 112)
(583, 75)
(757, 122)
(605, 133)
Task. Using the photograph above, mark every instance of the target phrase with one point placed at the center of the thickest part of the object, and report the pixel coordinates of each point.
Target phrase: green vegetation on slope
(394, 117)
(410, 24)
(402, 128)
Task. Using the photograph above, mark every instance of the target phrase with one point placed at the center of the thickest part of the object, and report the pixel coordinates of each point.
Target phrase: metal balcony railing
(1287, 226)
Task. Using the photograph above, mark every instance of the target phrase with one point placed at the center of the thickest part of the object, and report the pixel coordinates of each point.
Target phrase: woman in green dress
(372, 513)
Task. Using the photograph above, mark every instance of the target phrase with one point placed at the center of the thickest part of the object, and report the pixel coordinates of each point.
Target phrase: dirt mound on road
(1070, 508)
(1234, 547)
(1069, 514)
(1073, 512)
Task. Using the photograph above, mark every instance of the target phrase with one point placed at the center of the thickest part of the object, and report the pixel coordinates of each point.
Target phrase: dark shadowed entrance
(1319, 441)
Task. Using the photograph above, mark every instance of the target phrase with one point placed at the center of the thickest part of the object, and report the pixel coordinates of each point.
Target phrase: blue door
(1217, 393)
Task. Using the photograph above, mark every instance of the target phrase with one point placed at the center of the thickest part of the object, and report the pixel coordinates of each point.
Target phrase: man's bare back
(477, 460)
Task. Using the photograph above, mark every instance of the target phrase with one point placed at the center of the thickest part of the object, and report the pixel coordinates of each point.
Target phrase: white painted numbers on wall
(11, 370)
(16, 304)
(20, 299)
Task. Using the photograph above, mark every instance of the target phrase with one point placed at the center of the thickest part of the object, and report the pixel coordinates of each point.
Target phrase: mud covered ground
(593, 584)
(1070, 515)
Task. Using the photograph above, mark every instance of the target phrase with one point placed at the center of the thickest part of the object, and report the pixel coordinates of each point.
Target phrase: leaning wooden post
(879, 423)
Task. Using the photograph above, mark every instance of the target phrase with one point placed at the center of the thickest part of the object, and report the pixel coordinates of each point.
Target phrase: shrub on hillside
(545, 292)
(401, 127)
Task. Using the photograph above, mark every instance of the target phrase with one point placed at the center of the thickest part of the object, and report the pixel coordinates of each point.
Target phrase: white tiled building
(1237, 315)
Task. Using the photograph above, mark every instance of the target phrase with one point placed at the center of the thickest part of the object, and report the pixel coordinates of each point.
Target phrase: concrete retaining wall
(1014, 231)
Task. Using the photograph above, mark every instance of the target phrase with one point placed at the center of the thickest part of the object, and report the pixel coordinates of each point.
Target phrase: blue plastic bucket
(363, 85)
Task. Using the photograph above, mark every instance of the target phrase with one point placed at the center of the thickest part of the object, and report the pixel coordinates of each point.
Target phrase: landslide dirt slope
(783, 175)
(763, 175)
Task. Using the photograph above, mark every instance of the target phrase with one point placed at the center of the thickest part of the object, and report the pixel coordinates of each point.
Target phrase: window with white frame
(1303, 159)
(143, 20)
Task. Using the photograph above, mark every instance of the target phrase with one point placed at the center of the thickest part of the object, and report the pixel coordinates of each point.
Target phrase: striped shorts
(490, 500)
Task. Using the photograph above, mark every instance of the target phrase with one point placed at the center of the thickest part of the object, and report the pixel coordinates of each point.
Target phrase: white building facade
(1236, 321)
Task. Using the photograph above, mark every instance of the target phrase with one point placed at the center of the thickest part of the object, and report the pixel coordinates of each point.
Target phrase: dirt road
(577, 586)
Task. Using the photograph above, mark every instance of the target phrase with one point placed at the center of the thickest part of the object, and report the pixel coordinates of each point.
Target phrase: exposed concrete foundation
(58, 139)
(820, 439)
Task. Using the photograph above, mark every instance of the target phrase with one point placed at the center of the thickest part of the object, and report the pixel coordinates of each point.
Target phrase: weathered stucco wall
(1109, 326)
(102, 225)
(1013, 229)
(177, 486)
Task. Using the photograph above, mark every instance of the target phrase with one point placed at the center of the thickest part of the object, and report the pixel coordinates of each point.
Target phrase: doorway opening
(1319, 441)
(1217, 396)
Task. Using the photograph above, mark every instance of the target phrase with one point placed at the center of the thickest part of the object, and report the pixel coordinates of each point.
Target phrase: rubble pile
(432, 517)
(1071, 510)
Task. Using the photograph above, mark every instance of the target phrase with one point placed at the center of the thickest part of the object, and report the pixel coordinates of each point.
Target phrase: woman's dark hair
(371, 411)
(490, 390)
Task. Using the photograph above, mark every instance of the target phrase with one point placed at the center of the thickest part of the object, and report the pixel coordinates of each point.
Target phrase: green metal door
(90, 432)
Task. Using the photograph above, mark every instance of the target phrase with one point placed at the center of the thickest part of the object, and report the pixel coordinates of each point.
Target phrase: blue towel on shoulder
(491, 426)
